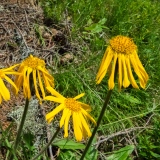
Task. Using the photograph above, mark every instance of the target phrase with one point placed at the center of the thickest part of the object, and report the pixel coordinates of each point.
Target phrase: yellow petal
(46, 82)
(85, 125)
(66, 124)
(12, 83)
(77, 130)
(45, 72)
(79, 96)
(54, 99)
(111, 78)
(19, 78)
(131, 78)
(18, 83)
(141, 67)
(88, 115)
(126, 82)
(10, 68)
(4, 91)
(54, 92)
(35, 84)
(64, 115)
(51, 115)
(79, 125)
(85, 106)
(41, 84)
(0, 98)
(142, 70)
(13, 72)
(136, 69)
(27, 85)
(84, 133)
(120, 71)
(103, 60)
(104, 65)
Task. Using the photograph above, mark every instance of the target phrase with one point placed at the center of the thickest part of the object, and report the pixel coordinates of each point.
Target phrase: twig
(129, 139)
(135, 150)
(20, 33)
(118, 134)
(5, 28)
(26, 18)
(144, 126)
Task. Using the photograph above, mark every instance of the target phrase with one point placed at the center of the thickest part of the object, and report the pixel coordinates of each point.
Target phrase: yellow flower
(122, 52)
(71, 107)
(33, 71)
(4, 92)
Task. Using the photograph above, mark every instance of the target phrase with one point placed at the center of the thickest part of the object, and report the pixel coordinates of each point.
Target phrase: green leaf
(155, 154)
(102, 21)
(8, 144)
(122, 154)
(66, 155)
(153, 146)
(68, 144)
(131, 99)
(28, 139)
(97, 27)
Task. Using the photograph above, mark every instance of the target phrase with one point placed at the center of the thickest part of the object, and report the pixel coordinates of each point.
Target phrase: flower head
(122, 52)
(4, 92)
(71, 107)
(33, 71)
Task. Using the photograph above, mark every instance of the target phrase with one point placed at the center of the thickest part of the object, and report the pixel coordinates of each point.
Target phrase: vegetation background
(131, 127)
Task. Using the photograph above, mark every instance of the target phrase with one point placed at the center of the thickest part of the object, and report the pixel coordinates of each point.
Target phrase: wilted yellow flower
(33, 71)
(4, 92)
(71, 107)
(122, 52)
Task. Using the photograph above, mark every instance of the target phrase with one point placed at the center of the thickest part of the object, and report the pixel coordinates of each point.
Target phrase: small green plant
(28, 147)
(5, 137)
(38, 31)
(148, 143)
(122, 154)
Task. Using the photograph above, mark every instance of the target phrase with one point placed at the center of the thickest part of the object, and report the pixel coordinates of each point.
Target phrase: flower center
(72, 104)
(122, 44)
(2, 75)
(33, 62)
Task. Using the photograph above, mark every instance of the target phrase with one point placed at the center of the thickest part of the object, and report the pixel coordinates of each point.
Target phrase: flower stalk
(98, 123)
(99, 118)
(20, 128)
(21, 124)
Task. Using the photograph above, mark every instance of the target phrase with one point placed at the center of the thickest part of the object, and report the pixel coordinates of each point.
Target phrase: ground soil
(21, 26)
(23, 31)
(15, 20)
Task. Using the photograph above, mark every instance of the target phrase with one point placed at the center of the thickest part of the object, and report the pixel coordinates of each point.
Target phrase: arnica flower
(4, 91)
(33, 71)
(71, 107)
(122, 52)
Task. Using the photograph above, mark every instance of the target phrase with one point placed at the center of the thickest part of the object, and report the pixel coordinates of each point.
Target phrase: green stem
(100, 117)
(20, 128)
(48, 144)
(21, 124)
(98, 123)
